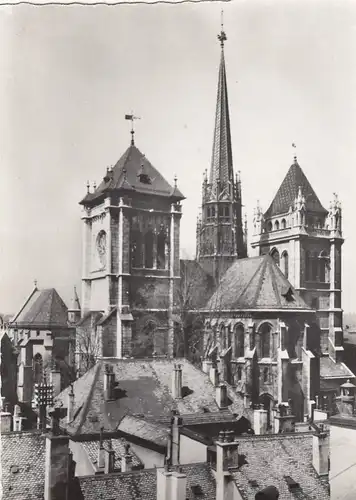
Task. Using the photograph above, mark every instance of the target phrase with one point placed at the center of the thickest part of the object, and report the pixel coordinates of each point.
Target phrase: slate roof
(270, 458)
(118, 445)
(22, 465)
(288, 191)
(143, 484)
(134, 163)
(145, 387)
(197, 286)
(154, 431)
(330, 369)
(255, 283)
(44, 309)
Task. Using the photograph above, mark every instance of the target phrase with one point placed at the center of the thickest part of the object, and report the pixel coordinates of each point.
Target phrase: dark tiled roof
(118, 445)
(43, 309)
(328, 368)
(132, 161)
(255, 283)
(145, 386)
(288, 191)
(22, 465)
(142, 485)
(270, 458)
(149, 430)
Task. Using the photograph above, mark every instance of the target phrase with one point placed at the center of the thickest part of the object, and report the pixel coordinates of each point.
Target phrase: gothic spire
(221, 170)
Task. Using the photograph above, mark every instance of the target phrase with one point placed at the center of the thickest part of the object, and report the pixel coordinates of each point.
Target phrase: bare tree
(87, 347)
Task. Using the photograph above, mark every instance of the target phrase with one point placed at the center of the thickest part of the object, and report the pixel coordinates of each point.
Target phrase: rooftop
(330, 369)
(118, 445)
(256, 283)
(271, 458)
(143, 484)
(288, 192)
(44, 309)
(133, 172)
(145, 389)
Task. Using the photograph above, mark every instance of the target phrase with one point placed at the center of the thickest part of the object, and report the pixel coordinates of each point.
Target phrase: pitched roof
(22, 465)
(255, 283)
(154, 431)
(118, 445)
(221, 162)
(145, 388)
(288, 191)
(330, 369)
(126, 176)
(272, 457)
(143, 484)
(43, 309)
(197, 285)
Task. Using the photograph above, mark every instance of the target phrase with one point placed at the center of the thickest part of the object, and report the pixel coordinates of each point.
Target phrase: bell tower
(220, 234)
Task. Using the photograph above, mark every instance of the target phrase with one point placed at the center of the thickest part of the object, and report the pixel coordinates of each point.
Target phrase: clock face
(101, 247)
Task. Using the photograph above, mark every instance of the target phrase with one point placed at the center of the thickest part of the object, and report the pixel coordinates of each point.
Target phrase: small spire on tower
(222, 35)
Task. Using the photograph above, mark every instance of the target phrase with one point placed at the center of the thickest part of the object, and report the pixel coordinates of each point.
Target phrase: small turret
(74, 312)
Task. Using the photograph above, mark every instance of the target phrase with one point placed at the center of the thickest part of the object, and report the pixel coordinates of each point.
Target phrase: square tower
(131, 266)
(305, 240)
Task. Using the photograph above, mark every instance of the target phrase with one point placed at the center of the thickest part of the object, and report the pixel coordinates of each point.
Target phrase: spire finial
(295, 155)
(175, 180)
(35, 282)
(132, 132)
(88, 187)
(222, 35)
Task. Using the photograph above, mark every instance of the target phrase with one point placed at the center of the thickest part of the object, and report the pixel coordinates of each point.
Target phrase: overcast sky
(69, 74)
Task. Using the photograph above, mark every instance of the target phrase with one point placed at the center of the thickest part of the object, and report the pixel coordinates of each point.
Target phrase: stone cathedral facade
(272, 323)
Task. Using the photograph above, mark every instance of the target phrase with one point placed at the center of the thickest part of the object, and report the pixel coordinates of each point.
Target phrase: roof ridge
(85, 408)
(25, 304)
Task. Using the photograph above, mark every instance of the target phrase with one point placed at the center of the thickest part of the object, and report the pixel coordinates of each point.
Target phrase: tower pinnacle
(222, 35)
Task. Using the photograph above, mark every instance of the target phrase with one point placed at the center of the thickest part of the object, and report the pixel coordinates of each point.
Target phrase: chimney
(178, 486)
(226, 456)
(109, 465)
(58, 462)
(109, 382)
(70, 404)
(214, 376)
(321, 451)
(6, 418)
(260, 421)
(55, 380)
(207, 365)
(174, 442)
(284, 420)
(101, 451)
(221, 396)
(177, 382)
(163, 484)
(126, 460)
(17, 419)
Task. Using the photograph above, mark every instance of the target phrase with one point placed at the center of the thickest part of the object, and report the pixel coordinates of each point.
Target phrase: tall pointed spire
(221, 170)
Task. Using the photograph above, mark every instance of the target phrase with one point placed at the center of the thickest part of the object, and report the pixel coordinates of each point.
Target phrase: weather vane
(132, 118)
(222, 36)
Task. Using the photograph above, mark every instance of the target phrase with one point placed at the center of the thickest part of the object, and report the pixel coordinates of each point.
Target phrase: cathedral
(271, 322)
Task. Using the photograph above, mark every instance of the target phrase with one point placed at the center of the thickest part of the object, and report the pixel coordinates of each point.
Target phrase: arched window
(269, 226)
(143, 342)
(239, 373)
(285, 264)
(283, 224)
(275, 256)
(265, 375)
(239, 341)
(223, 339)
(37, 368)
(149, 249)
(265, 340)
(276, 225)
(323, 267)
(136, 248)
(213, 211)
(161, 243)
(208, 211)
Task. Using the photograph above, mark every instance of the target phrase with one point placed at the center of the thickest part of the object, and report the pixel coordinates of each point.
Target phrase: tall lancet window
(149, 249)
(37, 368)
(161, 244)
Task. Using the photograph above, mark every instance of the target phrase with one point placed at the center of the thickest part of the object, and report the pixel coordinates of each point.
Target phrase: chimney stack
(163, 484)
(221, 396)
(6, 418)
(126, 460)
(178, 485)
(321, 451)
(109, 465)
(70, 404)
(214, 376)
(58, 465)
(226, 456)
(174, 441)
(101, 451)
(177, 382)
(260, 421)
(284, 420)
(17, 419)
(109, 382)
